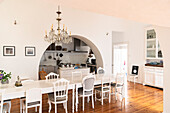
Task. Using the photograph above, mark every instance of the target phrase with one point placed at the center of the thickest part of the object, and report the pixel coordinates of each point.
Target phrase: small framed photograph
(29, 51)
(8, 50)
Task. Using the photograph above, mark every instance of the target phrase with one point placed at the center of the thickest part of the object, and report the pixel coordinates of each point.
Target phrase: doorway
(120, 58)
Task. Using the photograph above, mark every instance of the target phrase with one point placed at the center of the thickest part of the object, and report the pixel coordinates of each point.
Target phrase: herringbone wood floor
(140, 99)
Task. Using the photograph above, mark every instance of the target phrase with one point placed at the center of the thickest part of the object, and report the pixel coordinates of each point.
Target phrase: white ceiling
(155, 12)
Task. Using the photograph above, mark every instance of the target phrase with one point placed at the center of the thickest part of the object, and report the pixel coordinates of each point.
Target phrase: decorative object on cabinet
(29, 51)
(8, 50)
(61, 37)
(4, 77)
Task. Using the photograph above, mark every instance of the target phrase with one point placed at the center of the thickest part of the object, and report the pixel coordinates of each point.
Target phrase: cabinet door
(159, 78)
(149, 78)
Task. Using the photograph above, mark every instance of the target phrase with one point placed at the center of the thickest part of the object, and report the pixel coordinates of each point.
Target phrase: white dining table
(46, 86)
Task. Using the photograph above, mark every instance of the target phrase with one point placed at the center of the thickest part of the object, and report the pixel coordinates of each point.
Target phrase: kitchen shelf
(78, 52)
(151, 48)
(151, 39)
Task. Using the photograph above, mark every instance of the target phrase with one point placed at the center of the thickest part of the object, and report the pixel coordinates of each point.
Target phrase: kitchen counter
(153, 65)
(67, 72)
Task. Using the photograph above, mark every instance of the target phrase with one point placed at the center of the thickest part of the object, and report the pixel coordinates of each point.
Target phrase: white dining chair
(88, 87)
(4, 108)
(60, 95)
(76, 75)
(24, 81)
(104, 89)
(33, 99)
(120, 79)
(52, 75)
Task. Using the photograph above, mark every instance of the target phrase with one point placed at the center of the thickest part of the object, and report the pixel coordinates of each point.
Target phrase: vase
(5, 82)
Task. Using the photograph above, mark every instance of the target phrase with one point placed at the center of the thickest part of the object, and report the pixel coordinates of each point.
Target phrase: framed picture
(29, 51)
(8, 50)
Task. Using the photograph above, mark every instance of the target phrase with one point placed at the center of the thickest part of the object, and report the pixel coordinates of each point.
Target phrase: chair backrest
(100, 70)
(135, 69)
(2, 99)
(76, 75)
(52, 75)
(88, 82)
(120, 77)
(61, 89)
(106, 83)
(33, 95)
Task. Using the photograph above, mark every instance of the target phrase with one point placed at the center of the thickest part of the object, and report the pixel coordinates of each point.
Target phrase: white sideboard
(153, 76)
(67, 72)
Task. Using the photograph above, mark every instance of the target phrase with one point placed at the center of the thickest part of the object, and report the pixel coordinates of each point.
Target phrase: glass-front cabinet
(153, 50)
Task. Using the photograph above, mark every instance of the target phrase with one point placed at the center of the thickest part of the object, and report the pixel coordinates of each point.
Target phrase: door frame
(121, 43)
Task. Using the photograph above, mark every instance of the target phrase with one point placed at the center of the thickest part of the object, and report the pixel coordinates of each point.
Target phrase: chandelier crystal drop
(62, 36)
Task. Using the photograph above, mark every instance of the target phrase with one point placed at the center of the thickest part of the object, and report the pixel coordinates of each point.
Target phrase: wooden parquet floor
(140, 99)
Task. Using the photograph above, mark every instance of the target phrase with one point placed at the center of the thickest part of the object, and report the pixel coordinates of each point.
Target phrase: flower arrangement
(4, 77)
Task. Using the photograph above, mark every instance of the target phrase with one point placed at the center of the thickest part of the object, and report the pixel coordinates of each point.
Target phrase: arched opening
(80, 53)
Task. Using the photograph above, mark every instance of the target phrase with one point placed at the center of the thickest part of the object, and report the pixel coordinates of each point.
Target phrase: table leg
(76, 98)
(73, 98)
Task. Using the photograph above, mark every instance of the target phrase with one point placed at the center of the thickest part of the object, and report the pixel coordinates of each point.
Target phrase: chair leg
(102, 97)
(26, 109)
(92, 101)
(88, 99)
(9, 109)
(55, 108)
(109, 96)
(39, 109)
(20, 105)
(65, 106)
(95, 95)
(35, 109)
(83, 103)
(49, 106)
(116, 93)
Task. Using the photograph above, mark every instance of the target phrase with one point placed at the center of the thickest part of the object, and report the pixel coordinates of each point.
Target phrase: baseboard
(135, 82)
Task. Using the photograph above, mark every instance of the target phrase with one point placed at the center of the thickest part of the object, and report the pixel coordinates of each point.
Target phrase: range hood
(80, 46)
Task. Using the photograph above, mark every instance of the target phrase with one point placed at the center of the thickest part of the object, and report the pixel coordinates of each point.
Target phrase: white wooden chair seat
(58, 99)
(32, 103)
(100, 89)
(80, 92)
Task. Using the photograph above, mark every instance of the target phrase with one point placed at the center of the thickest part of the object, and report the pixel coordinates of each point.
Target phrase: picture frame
(8, 50)
(30, 51)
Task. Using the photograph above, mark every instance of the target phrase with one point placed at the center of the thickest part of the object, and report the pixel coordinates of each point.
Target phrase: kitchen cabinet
(153, 50)
(67, 72)
(153, 76)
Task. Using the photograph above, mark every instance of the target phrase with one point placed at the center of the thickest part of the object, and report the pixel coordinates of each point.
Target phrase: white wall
(35, 16)
(134, 36)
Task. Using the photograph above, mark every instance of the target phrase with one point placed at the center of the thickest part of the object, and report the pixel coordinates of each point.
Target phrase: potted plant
(4, 77)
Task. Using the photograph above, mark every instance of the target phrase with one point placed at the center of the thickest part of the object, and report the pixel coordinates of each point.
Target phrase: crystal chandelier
(62, 36)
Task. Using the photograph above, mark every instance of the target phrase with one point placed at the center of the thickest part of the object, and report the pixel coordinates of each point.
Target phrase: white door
(120, 56)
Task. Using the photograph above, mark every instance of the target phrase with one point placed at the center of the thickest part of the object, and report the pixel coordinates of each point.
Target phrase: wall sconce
(15, 22)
